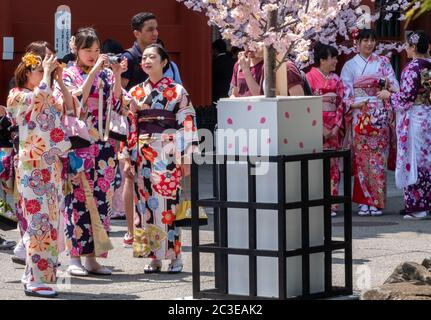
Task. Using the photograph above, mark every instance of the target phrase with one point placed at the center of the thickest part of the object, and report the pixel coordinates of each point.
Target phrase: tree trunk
(270, 60)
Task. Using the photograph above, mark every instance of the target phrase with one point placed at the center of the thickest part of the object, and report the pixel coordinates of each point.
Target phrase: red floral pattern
(33, 206)
(42, 265)
(168, 183)
(158, 177)
(170, 93)
(149, 154)
(168, 217)
(57, 135)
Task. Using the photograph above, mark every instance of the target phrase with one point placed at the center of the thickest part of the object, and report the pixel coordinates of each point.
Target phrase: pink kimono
(331, 88)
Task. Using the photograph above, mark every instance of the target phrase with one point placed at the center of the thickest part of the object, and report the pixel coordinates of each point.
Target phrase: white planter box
(278, 126)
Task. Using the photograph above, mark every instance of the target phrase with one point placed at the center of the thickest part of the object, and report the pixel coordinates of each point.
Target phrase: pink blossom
(109, 174)
(107, 223)
(76, 216)
(94, 150)
(103, 184)
(79, 195)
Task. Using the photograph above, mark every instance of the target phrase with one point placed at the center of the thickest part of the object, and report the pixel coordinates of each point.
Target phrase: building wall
(184, 32)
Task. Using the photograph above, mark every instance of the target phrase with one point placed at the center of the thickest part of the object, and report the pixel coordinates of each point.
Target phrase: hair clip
(355, 33)
(414, 38)
(31, 60)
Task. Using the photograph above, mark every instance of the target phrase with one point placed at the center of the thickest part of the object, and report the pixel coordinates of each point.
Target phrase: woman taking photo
(363, 77)
(42, 140)
(40, 48)
(413, 107)
(159, 104)
(92, 170)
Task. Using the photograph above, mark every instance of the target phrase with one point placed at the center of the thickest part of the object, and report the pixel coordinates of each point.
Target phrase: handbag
(117, 126)
(183, 217)
(76, 130)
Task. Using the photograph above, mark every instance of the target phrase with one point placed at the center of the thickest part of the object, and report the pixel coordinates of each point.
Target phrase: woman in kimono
(413, 107)
(98, 88)
(363, 77)
(159, 104)
(324, 82)
(40, 48)
(42, 140)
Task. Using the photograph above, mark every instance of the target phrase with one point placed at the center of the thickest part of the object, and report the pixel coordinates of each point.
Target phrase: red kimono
(331, 88)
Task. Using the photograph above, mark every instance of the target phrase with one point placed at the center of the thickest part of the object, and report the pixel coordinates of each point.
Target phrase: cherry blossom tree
(289, 27)
(284, 26)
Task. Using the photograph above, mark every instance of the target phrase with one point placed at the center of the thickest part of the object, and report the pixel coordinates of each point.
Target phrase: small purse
(116, 125)
(183, 217)
(76, 130)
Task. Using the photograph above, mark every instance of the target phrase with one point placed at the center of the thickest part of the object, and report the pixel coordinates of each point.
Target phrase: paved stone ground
(379, 245)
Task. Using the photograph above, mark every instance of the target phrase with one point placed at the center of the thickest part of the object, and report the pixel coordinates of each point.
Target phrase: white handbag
(117, 127)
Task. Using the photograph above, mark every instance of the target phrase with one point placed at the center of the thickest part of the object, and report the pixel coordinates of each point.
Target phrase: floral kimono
(371, 129)
(6, 156)
(98, 162)
(157, 155)
(42, 141)
(332, 90)
(413, 107)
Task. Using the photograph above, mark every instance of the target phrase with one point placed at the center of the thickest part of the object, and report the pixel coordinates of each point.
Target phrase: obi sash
(329, 102)
(367, 86)
(153, 121)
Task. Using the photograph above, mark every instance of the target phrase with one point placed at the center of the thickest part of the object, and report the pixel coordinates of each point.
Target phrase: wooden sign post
(63, 30)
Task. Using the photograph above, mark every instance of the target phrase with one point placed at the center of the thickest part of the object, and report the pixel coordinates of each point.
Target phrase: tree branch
(287, 25)
(307, 6)
(260, 21)
(285, 57)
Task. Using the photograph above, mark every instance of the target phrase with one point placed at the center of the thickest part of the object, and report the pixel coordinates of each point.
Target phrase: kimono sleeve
(410, 84)
(348, 78)
(187, 134)
(340, 102)
(20, 103)
(71, 84)
(61, 104)
(389, 73)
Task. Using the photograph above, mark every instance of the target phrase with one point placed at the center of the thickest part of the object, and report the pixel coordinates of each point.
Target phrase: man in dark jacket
(146, 31)
(223, 64)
